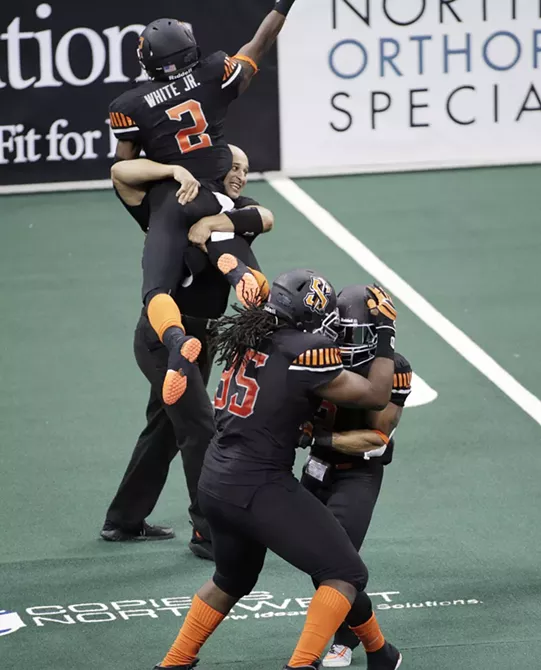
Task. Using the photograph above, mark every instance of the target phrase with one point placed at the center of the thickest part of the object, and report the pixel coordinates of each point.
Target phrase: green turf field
(454, 547)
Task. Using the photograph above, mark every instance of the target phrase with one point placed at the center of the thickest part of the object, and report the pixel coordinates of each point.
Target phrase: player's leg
(244, 259)
(352, 498)
(236, 261)
(295, 525)
(239, 560)
(191, 416)
(163, 269)
(143, 480)
(199, 328)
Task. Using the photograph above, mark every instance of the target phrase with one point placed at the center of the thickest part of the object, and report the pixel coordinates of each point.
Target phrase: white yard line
(374, 266)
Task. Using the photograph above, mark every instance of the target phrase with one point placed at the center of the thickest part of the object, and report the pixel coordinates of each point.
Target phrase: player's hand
(200, 232)
(381, 306)
(189, 188)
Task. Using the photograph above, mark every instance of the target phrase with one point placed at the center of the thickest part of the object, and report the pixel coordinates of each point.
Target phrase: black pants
(285, 518)
(167, 237)
(187, 426)
(351, 497)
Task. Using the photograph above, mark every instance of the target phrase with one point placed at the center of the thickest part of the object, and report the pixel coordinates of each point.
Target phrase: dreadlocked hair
(232, 337)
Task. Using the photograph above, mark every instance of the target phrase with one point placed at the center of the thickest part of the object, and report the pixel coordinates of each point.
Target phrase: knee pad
(235, 586)
(354, 573)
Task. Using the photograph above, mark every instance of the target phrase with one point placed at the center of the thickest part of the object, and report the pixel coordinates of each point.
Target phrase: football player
(350, 447)
(188, 425)
(280, 361)
(177, 117)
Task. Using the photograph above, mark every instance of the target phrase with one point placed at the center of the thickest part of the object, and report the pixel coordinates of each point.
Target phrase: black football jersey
(342, 419)
(181, 122)
(259, 409)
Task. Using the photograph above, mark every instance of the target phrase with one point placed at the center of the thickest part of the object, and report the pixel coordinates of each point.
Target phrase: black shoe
(200, 547)
(386, 658)
(313, 666)
(145, 532)
(178, 667)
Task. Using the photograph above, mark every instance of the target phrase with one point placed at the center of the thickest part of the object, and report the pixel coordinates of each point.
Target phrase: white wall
(355, 53)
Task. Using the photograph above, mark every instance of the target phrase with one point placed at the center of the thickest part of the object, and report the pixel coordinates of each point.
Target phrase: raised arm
(252, 53)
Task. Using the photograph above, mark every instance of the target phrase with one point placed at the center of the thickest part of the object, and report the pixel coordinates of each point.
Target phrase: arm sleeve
(122, 124)
(243, 201)
(401, 381)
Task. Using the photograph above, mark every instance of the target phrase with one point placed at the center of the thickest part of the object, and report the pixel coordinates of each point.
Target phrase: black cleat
(313, 666)
(386, 658)
(177, 667)
(145, 532)
(201, 547)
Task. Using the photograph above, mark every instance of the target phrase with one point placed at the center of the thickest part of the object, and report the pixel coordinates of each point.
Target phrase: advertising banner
(406, 84)
(61, 64)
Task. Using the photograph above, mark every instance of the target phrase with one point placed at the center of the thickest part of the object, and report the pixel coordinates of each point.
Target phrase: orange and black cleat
(182, 356)
(242, 279)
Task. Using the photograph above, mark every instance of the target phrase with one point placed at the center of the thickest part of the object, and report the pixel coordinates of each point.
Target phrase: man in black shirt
(351, 447)
(177, 117)
(280, 361)
(187, 426)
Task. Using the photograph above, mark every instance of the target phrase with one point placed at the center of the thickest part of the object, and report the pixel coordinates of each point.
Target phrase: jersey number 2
(193, 137)
(245, 408)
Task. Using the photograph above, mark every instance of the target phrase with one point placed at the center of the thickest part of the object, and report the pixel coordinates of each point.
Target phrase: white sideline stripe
(421, 393)
(412, 166)
(61, 186)
(463, 344)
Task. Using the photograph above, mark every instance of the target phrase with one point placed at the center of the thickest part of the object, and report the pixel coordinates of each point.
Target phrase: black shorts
(285, 518)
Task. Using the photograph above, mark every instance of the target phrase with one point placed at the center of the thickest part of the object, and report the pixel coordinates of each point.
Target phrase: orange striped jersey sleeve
(403, 375)
(120, 120)
(122, 124)
(232, 73)
(326, 358)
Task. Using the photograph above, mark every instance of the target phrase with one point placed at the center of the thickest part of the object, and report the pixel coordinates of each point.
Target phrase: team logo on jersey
(10, 622)
(318, 297)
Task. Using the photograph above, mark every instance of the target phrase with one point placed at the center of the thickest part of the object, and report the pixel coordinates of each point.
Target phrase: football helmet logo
(317, 299)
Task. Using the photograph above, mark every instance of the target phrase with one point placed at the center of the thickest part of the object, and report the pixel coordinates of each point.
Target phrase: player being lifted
(178, 117)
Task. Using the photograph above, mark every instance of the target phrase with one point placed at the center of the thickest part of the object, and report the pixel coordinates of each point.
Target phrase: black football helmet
(305, 300)
(357, 335)
(166, 48)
